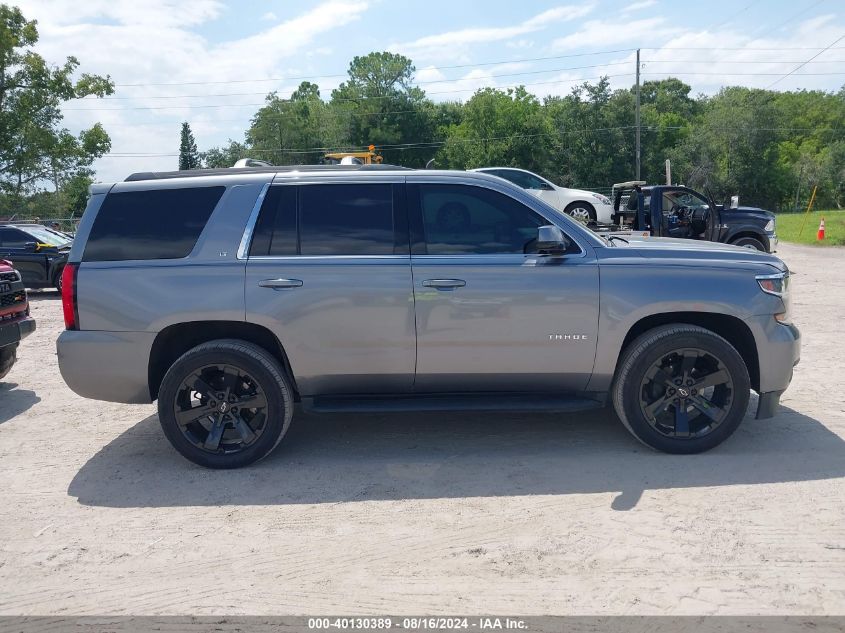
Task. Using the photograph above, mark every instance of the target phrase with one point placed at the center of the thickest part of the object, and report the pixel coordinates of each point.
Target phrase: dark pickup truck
(15, 322)
(681, 212)
(37, 252)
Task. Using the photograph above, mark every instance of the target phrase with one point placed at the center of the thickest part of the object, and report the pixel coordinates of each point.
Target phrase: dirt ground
(429, 514)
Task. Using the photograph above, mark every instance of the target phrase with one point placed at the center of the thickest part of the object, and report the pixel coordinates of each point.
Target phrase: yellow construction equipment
(353, 158)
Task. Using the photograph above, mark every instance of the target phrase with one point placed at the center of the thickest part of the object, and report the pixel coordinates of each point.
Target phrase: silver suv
(234, 295)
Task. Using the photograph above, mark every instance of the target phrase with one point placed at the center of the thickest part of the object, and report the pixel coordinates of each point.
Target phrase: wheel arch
(731, 328)
(760, 237)
(175, 340)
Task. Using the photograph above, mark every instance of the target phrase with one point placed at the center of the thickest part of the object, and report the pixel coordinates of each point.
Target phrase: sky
(211, 63)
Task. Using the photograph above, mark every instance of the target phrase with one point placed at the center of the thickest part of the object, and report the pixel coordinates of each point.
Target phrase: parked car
(681, 212)
(15, 322)
(584, 206)
(37, 252)
(229, 295)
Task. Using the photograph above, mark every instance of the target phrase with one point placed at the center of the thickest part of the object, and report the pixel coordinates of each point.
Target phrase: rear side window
(346, 220)
(331, 219)
(155, 224)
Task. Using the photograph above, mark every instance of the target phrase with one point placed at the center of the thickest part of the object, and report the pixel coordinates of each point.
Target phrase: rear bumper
(109, 366)
(13, 332)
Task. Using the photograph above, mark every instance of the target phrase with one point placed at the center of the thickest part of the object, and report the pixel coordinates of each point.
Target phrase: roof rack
(233, 171)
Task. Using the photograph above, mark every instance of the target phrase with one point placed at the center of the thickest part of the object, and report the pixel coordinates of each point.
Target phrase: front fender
(631, 292)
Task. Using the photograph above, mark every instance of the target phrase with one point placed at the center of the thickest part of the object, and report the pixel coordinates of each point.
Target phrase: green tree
(34, 148)
(189, 157)
(225, 156)
(502, 128)
(287, 131)
(379, 104)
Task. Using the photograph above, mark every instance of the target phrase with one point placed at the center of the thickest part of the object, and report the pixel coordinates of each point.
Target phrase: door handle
(444, 283)
(280, 284)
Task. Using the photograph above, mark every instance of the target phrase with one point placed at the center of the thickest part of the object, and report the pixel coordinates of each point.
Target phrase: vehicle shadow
(14, 401)
(425, 456)
(43, 294)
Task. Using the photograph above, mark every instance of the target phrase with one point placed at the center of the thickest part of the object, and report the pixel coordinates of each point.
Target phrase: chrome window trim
(299, 258)
(246, 238)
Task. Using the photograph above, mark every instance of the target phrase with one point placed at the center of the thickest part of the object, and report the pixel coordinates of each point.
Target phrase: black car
(681, 212)
(38, 253)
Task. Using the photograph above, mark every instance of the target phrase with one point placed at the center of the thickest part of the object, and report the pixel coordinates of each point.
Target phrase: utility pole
(638, 114)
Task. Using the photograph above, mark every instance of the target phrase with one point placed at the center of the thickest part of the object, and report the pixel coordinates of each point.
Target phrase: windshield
(45, 236)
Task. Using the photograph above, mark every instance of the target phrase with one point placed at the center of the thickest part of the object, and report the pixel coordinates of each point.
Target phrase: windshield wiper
(616, 237)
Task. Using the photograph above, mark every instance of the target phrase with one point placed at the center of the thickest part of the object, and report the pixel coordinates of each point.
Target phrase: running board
(453, 402)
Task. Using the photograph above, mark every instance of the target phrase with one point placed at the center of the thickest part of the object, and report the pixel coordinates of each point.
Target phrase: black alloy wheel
(686, 393)
(221, 409)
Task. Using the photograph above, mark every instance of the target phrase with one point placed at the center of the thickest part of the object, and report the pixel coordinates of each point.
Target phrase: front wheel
(225, 404)
(681, 389)
(581, 211)
(750, 242)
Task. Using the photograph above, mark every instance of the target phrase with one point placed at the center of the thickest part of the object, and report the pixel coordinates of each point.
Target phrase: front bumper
(13, 332)
(778, 351)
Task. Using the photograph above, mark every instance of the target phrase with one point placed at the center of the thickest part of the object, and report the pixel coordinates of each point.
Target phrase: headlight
(770, 226)
(601, 198)
(778, 285)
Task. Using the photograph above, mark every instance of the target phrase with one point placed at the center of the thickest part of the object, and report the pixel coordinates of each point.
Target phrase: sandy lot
(429, 514)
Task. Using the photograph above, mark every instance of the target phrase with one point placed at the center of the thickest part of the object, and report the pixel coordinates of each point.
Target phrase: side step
(454, 402)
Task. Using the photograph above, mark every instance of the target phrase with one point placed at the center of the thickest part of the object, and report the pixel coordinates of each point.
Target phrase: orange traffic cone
(820, 234)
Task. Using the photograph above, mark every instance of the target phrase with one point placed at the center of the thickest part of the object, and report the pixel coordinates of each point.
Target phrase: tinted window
(157, 224)
(520, 178)
(346, 219)
(13, 238)
(276, 231)
(460, 219)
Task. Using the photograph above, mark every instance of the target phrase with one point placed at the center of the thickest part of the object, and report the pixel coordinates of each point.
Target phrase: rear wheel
(581, 211)
(750, 242)
(225, 404)
(8, 356)
(681, 389)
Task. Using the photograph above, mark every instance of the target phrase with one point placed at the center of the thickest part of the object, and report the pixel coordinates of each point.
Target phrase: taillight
(69, 296)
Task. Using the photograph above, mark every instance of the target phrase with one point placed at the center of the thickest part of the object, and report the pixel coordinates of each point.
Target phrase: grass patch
(789, 224)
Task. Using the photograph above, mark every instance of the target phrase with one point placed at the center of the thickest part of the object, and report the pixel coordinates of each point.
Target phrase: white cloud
(269, 17)
(520, 44)
(158, 44)
(451, 44)
(750, 61)
(638, 6)
(600, 33)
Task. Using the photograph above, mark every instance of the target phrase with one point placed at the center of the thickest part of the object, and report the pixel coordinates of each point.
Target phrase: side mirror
(31, 247)
(551, 240)
(546, 187)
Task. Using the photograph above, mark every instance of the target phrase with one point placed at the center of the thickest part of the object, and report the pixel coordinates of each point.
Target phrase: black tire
(252, 374)
(580, 210)
(750, 242)
(57, 279)
(647, 354)
(8, 356)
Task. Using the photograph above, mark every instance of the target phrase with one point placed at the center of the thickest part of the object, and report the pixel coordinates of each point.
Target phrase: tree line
(769, 147)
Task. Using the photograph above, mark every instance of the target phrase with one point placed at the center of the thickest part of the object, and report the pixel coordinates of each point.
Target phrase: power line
(242, 105)
(419, 83)
(806, 62)
(427, 144)
(341, 75)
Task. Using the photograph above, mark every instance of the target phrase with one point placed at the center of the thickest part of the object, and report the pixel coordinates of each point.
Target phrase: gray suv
(233, 296)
